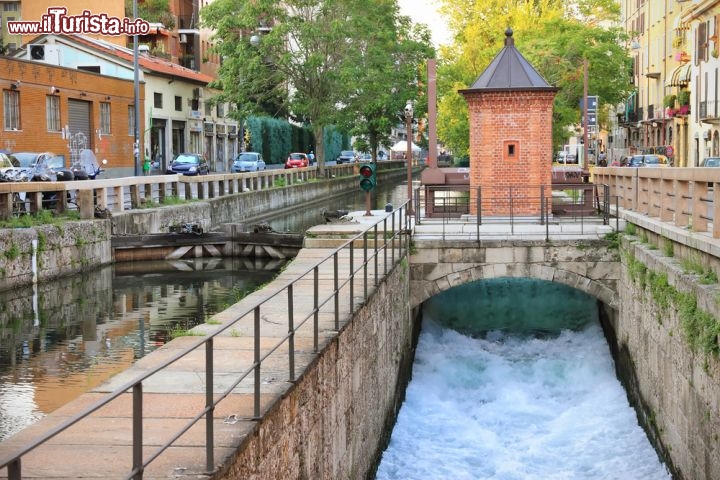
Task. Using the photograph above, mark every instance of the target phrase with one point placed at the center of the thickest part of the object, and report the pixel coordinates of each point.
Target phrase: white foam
(510, 408)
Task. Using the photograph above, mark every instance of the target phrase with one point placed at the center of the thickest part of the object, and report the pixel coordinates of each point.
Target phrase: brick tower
(510, 107)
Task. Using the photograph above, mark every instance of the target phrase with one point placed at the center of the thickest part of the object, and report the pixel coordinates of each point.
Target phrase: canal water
(513, 380)
(61, 339)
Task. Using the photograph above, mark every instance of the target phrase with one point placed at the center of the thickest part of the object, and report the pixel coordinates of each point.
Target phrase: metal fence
(460, 212)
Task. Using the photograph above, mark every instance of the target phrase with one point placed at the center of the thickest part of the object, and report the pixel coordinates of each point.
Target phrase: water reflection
(61, 339)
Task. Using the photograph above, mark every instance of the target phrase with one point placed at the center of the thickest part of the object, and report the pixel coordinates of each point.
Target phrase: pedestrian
(146, 165)
(311, 157)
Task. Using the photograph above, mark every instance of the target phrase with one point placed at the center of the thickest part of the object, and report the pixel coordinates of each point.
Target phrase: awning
(680, 77)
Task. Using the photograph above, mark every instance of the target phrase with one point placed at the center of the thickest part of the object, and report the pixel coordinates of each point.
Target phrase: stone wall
(335, 421)
(75, 246)
(589, 265)
(240, 207)
(671, 375)
(59, 250)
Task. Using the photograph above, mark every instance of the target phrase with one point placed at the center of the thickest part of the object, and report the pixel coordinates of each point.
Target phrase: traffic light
(368, 177)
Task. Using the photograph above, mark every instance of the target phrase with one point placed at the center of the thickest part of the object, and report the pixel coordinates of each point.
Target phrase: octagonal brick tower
(510, 114)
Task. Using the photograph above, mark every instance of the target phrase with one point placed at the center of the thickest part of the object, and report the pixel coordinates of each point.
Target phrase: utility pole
(585, 113)
(136, 84)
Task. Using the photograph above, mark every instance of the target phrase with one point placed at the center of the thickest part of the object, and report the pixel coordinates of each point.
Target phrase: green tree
(152, 11)
(555, 36)
(301, 54)
(392, 67)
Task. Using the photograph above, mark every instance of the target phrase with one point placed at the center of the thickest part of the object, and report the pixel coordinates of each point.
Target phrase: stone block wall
(59, 250)
(674, 386)
(335, 421)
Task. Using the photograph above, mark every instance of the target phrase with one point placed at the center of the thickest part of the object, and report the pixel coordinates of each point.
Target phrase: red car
(297, 160)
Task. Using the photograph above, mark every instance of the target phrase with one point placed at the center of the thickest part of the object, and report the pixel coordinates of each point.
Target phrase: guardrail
(127, 193)
(375, 244)
(579, 203)
(684, 197)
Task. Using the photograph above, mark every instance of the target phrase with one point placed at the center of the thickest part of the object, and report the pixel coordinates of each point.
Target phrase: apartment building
(673, 109)
(178, 113)
(47, 107)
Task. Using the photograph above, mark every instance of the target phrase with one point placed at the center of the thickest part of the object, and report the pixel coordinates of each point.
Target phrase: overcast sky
(425, 11)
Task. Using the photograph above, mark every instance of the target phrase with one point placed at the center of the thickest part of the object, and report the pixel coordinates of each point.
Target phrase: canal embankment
(42, 253)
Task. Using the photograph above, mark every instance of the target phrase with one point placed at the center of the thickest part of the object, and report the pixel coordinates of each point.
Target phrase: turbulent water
(517, 406)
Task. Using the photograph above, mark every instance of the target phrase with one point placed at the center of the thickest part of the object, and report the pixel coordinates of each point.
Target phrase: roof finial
(508, 37)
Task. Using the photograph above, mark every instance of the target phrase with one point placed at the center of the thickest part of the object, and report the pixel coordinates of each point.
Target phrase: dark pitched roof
(509, 70)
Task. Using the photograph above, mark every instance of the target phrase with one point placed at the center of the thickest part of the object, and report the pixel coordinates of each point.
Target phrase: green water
(518, 305)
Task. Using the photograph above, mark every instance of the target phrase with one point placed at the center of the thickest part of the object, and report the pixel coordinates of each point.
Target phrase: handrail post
(385, 249)
(392, 247)
(316, 310)
(337, 291)
(376, 252)
(256, 359)
(291, 334)
(137, 429)
(365, 262)
(15, 469)
(352, 278)
(209, 417)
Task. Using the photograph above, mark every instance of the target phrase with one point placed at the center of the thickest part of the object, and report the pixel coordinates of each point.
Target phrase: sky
(425, 11)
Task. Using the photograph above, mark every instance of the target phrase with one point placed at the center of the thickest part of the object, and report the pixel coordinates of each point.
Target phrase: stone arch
(423, 289)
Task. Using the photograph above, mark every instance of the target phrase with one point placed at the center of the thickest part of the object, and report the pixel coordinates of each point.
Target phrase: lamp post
(136, 94)
(408, 129)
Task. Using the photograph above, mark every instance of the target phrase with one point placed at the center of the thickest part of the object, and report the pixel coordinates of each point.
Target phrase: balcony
(708, 111)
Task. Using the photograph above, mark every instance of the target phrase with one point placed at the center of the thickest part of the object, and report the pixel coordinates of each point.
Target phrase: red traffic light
(366, 171)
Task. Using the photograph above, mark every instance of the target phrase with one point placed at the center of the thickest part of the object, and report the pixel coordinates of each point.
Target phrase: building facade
(51, 108)
(179, 115)
(673, 108)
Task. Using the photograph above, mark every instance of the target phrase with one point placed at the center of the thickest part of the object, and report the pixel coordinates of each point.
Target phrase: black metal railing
(582, 204)
(388, 237)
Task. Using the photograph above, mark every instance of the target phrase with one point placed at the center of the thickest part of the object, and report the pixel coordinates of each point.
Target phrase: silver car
(248, 162)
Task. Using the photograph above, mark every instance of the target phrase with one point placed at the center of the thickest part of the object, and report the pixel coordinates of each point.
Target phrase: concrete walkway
(100, 446)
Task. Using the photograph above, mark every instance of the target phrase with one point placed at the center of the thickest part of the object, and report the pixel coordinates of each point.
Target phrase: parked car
(248, 162)
(297, 160)
(634, 161)
(45, 166)
(365, 158)
(346, 156)
(710, 162)
(656, 161)
(189, 164)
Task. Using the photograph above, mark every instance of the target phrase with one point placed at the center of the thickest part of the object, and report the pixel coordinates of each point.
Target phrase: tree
(391, 65)
(555, 36)
(300, 54)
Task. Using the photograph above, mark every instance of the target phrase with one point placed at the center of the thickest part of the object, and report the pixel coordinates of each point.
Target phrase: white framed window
(11, 104)
(131, 120)
(105, 118)
(52, 113)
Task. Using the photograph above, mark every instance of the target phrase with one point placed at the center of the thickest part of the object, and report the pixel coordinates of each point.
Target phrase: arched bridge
(592, 266)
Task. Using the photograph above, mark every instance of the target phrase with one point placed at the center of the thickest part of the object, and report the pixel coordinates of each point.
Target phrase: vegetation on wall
(700, 328)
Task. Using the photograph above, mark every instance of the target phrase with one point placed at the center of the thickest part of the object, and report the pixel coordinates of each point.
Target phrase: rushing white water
(505, 407)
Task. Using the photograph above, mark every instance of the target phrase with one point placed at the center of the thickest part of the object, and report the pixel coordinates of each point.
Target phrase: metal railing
(459, 208)
(387, 239)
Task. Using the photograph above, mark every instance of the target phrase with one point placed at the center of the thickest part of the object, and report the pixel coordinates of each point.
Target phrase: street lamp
(408, 129)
